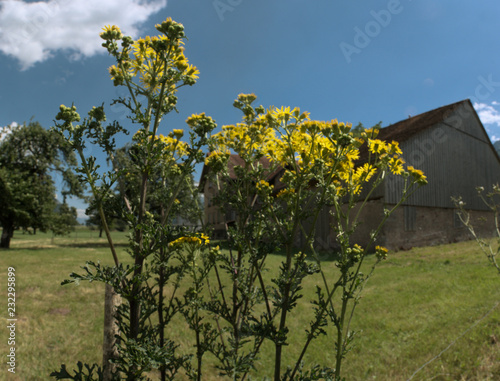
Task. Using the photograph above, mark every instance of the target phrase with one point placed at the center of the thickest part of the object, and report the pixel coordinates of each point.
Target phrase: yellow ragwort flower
(381, 252)
(111, 32)
(282, 113)
(201, 239)
(263, 185)
(417, 174)
(178, 133)
(377, 146)
(396, 165)
(394, 149)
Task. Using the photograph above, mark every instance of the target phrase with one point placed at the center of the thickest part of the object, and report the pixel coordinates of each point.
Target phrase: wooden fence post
(111, 301)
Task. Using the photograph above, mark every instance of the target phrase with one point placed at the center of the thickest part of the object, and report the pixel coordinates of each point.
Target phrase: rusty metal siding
(456, 157)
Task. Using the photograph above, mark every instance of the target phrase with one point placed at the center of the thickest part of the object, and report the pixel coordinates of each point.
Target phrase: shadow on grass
(332, 255)
(57, 245)
(91, 245)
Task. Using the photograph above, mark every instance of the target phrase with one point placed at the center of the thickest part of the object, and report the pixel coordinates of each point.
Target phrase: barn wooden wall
(456, 156)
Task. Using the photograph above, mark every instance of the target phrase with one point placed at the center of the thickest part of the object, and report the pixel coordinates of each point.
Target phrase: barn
(450, 145)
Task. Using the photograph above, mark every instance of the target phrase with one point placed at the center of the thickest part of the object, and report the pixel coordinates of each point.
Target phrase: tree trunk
(100, 233)
(7, 233)
(111, 302)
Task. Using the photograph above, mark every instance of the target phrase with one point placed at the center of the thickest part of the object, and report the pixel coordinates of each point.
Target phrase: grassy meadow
(417, 303)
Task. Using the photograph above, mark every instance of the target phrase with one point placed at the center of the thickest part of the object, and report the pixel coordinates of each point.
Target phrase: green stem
(340, 328)
(314, 326)
(284, 310)
(128, 83)
(99, 207)
(199, 352)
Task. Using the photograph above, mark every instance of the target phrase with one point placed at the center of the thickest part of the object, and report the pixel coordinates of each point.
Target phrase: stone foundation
(432, 226)
(412, 226)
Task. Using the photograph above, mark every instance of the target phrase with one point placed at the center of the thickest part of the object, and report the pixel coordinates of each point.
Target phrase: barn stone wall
(415, 226)
(432, 226)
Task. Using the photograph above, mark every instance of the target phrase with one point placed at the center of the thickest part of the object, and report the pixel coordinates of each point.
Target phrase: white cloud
(487, 113)
(32, 31)
(81, 214)
(429, 82)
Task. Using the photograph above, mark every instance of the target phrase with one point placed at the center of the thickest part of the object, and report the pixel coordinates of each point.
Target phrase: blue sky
(355, 61)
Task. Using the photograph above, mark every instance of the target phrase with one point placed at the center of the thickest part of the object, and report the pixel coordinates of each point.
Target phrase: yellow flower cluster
(199, 240)
(216, 157)
(264, 186)
(417, 174)
(285, 192)
(178, 133)
(173, 146)
(362, 175)
(111, 32)
(201, 124)
(355, 253)
(377, 146)
(396, 165)
(322, 150)
(244, 139)
(381, 252)
(151, 58)
(389, 153)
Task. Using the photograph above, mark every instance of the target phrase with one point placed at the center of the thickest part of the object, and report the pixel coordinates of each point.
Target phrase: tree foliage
(30, 158)
(63, 220)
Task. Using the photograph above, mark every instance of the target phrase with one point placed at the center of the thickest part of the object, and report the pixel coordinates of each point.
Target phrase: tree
(63, 219)
(29, 157)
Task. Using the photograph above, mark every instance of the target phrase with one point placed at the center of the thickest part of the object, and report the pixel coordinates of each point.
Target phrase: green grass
(415, 305)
